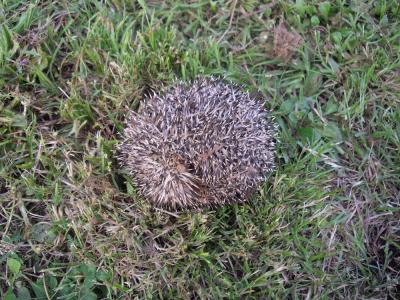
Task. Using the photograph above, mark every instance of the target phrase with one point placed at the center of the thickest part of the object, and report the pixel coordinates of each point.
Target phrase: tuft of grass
(325, 224)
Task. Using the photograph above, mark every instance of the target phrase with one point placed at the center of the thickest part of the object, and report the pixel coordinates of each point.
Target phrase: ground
(324, 225)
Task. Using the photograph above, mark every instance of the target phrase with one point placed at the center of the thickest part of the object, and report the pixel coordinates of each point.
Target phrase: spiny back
(207, 143)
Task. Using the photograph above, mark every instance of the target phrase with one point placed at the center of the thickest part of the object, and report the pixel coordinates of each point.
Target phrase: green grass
(325, 225)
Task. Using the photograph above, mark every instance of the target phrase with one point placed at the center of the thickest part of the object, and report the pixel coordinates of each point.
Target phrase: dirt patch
(285, 42)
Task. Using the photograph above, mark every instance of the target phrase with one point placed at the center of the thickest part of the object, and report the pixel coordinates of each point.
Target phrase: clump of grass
(326, 224)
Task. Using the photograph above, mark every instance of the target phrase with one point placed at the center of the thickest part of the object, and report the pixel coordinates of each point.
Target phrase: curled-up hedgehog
(206, 143)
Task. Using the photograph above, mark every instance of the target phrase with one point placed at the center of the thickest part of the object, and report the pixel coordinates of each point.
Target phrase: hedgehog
(206, 143)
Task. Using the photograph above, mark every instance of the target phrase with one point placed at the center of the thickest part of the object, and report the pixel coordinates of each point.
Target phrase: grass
(325, 224)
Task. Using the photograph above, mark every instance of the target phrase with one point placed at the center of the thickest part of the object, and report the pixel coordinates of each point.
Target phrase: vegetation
(325, 225)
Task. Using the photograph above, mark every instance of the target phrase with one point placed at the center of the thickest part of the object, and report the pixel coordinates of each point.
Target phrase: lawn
(326, 223)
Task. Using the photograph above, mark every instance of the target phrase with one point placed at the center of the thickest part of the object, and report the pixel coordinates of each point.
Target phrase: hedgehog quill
(202, 144)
